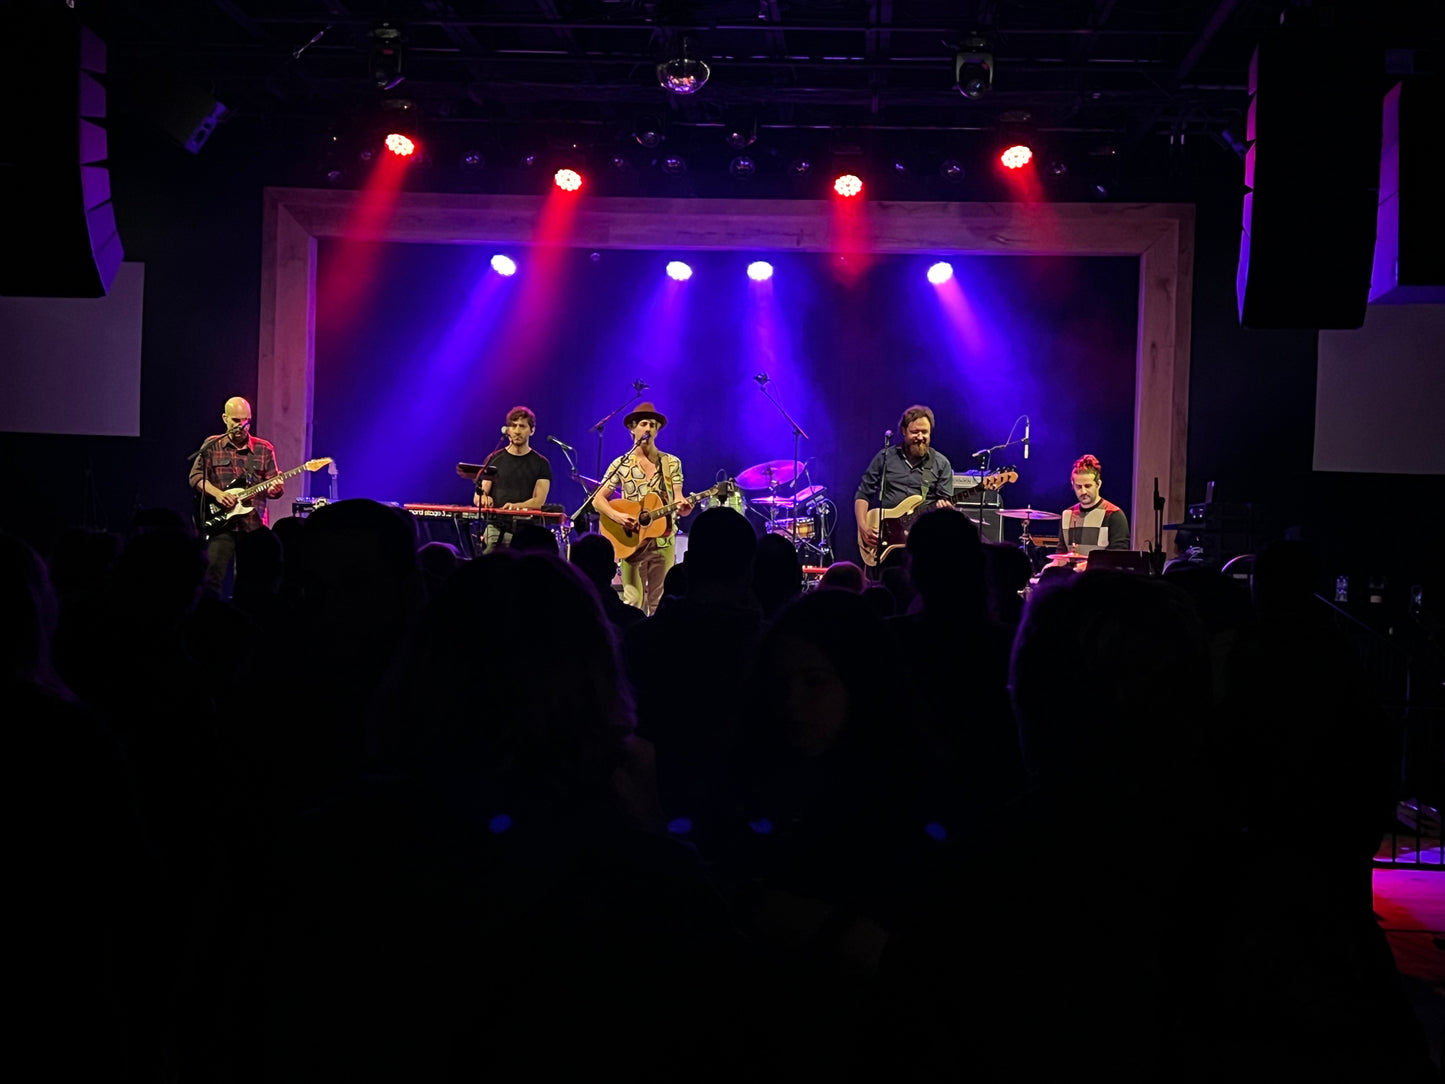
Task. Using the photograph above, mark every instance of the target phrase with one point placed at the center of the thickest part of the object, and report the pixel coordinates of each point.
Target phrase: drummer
(1093, 523)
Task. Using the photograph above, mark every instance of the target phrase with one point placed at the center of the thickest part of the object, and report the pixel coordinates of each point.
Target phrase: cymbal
(1027, 513)
(775, 472)
(780, 502)
(807, 493)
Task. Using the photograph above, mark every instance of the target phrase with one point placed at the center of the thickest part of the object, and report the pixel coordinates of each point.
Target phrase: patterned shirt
(634, 483)
(225, 465)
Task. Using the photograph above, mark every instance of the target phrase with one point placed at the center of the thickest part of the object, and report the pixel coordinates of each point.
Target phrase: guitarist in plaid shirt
(225, 460)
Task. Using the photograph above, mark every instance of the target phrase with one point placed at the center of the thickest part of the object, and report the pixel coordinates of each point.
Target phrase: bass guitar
(897, 521)
(214, 514)
(651, 516)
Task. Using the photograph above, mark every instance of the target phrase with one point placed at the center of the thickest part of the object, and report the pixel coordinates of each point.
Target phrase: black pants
(220, 551)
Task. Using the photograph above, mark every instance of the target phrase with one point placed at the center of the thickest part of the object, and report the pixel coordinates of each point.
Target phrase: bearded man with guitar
(912, 469)
(645, 470)
(232, 461)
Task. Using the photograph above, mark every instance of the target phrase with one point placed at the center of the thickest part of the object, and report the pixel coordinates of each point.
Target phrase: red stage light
(848, 185)
(1017, 156)
(400, 145)
(568, 180)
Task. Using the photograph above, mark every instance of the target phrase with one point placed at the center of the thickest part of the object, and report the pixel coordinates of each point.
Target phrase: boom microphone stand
(638, 387)
(983, 456)
(763, 381)
(603, 485)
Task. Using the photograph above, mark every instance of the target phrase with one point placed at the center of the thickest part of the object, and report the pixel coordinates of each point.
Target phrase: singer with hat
(522, 479)
(642, 470)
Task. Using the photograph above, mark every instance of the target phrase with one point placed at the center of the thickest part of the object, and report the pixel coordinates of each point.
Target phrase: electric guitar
(214, 514)
(651, 516)
(899, 520)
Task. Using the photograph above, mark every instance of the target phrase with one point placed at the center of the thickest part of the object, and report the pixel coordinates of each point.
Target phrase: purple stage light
(760, 271)
(504, 265)
(940, 273)
(679, 271)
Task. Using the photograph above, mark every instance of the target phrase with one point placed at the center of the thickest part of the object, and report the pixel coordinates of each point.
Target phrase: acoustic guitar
(651, 516)
(214, 514)
(899, 520)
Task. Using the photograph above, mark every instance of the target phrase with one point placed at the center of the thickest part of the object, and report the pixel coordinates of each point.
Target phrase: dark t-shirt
(517, 475)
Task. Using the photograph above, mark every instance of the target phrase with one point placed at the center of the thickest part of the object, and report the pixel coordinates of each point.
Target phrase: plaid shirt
(634, 483)
(224, 465)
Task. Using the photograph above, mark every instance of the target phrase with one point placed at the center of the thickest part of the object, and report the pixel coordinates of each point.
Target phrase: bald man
(229, 460)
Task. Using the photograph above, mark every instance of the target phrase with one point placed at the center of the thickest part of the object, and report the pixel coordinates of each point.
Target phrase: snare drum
(805, 527)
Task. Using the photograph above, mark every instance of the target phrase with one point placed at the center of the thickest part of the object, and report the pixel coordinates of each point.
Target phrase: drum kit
(804, 516)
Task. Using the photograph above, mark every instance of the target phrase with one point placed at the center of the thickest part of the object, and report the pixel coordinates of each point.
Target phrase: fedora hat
(645, 410)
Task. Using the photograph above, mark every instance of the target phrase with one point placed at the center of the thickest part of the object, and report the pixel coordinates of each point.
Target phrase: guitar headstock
(317, 464)
(1000, 478)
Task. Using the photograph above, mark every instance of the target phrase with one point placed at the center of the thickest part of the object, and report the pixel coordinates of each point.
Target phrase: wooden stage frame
(1160, 235)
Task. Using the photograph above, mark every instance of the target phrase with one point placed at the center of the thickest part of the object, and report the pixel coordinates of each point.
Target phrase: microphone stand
(637, 389)
(882, 475)
(798, 434)
(983, 457)
(601, 486)
(200, 494)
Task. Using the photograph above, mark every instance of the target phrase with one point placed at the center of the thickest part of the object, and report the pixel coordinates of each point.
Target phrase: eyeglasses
(239, 423)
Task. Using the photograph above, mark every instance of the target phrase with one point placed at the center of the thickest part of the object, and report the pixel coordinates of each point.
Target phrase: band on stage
(641, 497)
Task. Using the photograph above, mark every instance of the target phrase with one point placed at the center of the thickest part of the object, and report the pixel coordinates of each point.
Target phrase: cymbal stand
(798, 434)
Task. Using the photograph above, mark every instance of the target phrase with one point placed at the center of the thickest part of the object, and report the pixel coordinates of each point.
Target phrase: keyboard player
(522, 480)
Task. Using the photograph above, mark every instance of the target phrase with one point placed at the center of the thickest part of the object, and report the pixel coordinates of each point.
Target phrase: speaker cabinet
(54, 168)
(1312, 171)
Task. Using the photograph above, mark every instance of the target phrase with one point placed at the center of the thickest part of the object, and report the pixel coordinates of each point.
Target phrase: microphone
(1027, 423)
(562, 444)
(640, 386)
(762, 378)
(504, 430)
(980, 453)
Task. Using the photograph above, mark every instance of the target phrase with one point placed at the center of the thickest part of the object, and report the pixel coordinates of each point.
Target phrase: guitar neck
(247, 494)
(691, 498)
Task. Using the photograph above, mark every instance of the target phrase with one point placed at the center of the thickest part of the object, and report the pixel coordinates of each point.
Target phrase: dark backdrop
(422, 372)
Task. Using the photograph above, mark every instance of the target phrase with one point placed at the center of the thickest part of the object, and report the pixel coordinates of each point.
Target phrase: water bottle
(1342, 589)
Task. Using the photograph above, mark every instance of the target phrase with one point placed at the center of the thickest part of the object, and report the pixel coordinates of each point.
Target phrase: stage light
(1017, 156)
(568, 180)
(973, 68)
(951, 170)
(400, 145)
(799, 167)
(743, 166)
(741, 133)
(527, 161)
(648, 132)
(848, 186)
(683, 74)
(678, 271)
(472, 162)
(1058, 168)
(621, 163)
(386, 57)
(674, 165)
(940, 273)
(504, 265)
(760, 271)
